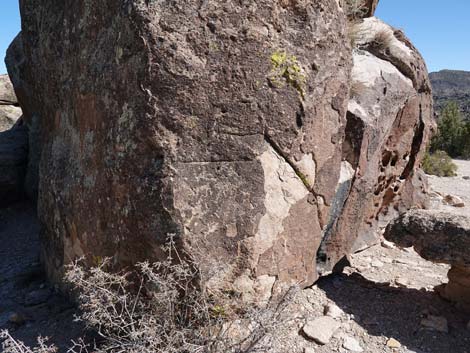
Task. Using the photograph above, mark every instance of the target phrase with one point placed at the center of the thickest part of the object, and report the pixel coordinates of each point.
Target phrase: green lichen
(304, 179)
(286, 69)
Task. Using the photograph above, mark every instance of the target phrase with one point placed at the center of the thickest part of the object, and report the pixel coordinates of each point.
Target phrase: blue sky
(440, 30)
(9, 27)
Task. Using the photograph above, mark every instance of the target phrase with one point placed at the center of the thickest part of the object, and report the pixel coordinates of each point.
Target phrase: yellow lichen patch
(286, 69)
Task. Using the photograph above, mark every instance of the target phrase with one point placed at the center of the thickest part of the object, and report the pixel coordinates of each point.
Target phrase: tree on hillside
(453, 133)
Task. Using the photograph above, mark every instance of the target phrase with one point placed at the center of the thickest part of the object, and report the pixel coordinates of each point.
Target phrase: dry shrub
(354, 33)
(159, 308)
(355, 9)
(10, 345)
(382, 40)
(357, 89)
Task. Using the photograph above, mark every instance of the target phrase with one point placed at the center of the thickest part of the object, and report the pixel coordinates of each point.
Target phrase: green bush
(439, 163)
(453, 135)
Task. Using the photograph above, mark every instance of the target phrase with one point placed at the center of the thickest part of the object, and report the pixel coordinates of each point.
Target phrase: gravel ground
(29, 307)
(457, 186)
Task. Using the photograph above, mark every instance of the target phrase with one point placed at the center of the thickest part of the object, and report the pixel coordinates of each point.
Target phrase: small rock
(393, 343)
(466, 177)
(321, 330)
(309, 350)
(401, 282)
(17, 319)
(454, 201)
(438, 323)
(377, 263)
(332, 310)
(387, 244)
(351, 344)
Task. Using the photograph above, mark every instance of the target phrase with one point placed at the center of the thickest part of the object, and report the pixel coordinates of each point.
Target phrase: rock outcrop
(439, 237)
(225, 125)
(219, 123)
(10, 111)
(388, 125)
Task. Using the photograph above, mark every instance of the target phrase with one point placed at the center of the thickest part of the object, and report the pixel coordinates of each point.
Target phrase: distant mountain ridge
(451, 85)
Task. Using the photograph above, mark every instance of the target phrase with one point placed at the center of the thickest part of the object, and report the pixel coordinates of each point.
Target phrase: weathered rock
(389, 122)
(23, 79)
(333, 311)
(321, 329)
(156, 118)
(393, 343)
(458, 288)
(453, 201)
(13, 161)
(438, 237)
(10, 112)
(371, 6)
(351, 344)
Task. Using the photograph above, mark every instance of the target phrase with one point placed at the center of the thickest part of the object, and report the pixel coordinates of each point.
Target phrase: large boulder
(389, 123)
(441, 237)
(227, 125)
(218, 122)
(23, 79)
(10, 111)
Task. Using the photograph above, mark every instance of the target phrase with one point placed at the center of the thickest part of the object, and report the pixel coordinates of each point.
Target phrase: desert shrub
(439, 163)
(355, 9)
(354, 33)
(382, 40)
(357, 89)
(453, 134)
(10, 345)
(159, 308)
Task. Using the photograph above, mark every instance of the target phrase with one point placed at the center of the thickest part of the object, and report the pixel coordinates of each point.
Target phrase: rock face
(10, 111)
(388, 124)
(225, 124)
(219, 123)
(439, 237)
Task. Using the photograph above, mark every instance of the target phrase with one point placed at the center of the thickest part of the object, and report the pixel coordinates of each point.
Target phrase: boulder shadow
(383, 310)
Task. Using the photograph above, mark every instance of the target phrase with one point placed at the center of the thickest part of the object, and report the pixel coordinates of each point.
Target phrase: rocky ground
(458, 186)
(384, 302)
(29, 307)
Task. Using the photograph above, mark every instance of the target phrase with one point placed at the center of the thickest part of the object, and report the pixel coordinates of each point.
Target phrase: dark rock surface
(437, 236)
(220, 123)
